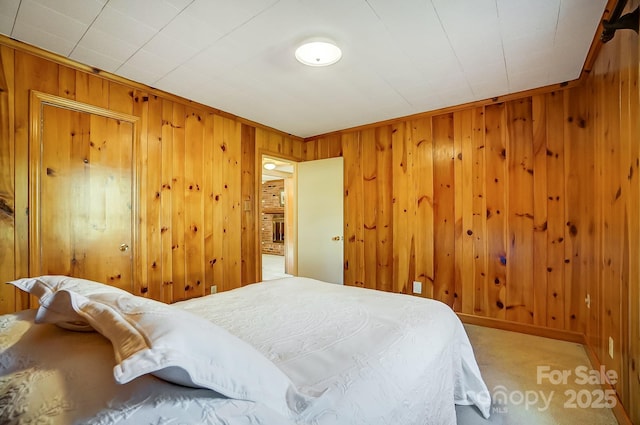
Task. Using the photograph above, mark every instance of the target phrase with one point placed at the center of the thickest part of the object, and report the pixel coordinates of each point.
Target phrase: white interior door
(320, 220)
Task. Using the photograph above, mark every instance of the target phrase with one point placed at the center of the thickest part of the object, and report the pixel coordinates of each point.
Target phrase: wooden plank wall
(515, 211)
(472, 203)
(196, 169)
(610, 99)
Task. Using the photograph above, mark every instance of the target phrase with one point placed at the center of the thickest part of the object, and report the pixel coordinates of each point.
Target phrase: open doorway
(277, 218)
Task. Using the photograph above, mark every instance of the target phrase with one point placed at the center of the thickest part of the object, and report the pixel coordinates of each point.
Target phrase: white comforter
(376, 358)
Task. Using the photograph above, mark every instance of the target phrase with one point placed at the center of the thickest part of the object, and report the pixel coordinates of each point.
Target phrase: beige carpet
(526, 371)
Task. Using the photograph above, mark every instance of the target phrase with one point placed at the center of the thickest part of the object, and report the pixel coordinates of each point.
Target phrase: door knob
(336, 238)
(124, 247)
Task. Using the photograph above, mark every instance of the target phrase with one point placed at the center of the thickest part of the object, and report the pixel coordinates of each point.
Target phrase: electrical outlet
(417, 287)
(610, 347)
(214, 289)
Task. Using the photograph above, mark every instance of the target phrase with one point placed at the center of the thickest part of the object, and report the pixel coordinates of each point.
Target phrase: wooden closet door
(85, 196)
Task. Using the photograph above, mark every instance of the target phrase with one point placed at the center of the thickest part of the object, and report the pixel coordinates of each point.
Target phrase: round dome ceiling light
(269, 166)
(318, 53)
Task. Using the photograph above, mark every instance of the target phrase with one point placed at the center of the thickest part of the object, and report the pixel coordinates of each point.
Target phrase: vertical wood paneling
(613, 212)
(166, 201)
(520, 209)
(193, 203)
(173, 141)
(141, 109)
(540, 214)
(558, 290)
(630, 299)
(403, 209)
(178, 203)
(7, 181)
(92, 90)
(464, 211)
(56, 182)
(422, 138)
(31, 73)
(444, 209)
(210, 171)
(67, 83)
(577, 209)
(370, 207)
(353, 211)
(496, 185)
(632, 126)
(218, 213)
(154, 192)
(458, 167)
(479, 210)
(232, 189)
(249, 205)
(120, 97)
(384, 222)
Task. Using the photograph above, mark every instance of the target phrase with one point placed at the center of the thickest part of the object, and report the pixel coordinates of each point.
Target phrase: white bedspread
(377, 357)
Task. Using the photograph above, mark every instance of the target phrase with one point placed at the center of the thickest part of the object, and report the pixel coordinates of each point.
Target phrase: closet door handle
(124, 247)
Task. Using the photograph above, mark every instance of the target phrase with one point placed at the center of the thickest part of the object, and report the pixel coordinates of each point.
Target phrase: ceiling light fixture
(269, 166)
(318, 53)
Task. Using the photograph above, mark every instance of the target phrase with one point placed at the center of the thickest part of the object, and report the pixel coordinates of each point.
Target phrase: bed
(289, 351)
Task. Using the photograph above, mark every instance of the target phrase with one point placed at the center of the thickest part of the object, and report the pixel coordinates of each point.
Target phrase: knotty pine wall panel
(478, 209)
(546, 190)
(610, 101)
(194, 168)
(8, 297)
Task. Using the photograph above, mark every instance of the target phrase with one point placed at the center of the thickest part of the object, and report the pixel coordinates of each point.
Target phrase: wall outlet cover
(417, 287)
(610, 347)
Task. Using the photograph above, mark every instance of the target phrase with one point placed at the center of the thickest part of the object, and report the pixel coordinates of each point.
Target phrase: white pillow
(58, 310)
(180, 347)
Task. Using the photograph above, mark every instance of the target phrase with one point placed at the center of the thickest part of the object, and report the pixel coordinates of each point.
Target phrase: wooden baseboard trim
(505, 325)
(618, 410)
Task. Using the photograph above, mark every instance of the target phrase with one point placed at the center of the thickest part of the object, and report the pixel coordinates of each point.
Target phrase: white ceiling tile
(143, 75)
(6, 25)
(179, 4)
(8, 12)
(468, 23)
(38, 37)
(487, 72)
(490, 89)
(85, 13)
(154, 66)
(123, 27)
(107, 45)
(223, 15)
(50, 21)
(518, 16)
(94, 58)
(171, 49)
(191, 32)
(153, 13)
(221, 57)
(526, 80)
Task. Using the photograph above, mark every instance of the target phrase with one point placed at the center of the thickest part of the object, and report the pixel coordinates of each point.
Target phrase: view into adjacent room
(275, 240)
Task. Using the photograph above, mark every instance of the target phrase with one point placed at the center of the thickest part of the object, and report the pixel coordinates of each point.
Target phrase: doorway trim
(37, 102)
(291, 245)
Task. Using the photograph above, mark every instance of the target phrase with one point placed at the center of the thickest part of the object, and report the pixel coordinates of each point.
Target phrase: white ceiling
(399, 57)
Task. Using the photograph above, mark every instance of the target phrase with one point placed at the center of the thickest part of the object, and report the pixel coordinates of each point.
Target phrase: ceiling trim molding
(596, 43)
(456, 108)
